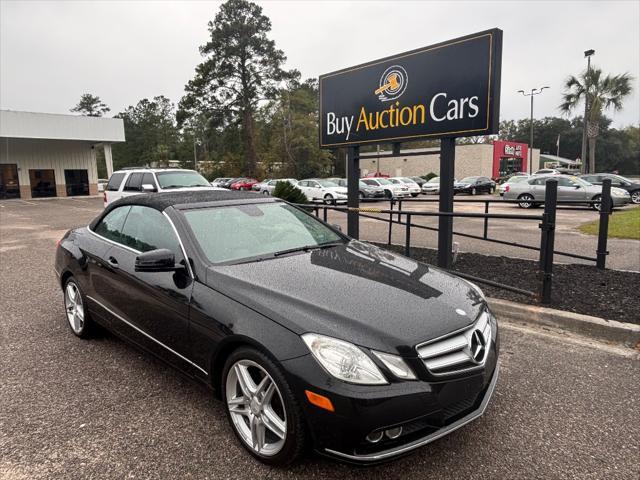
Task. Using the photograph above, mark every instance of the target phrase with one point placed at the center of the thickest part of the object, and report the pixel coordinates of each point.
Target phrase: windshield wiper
(307, 248)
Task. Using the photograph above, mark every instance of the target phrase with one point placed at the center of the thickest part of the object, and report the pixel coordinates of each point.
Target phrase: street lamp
(534, 91)
(585, 166)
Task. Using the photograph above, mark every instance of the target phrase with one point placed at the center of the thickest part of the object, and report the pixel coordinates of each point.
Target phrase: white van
(135, 181)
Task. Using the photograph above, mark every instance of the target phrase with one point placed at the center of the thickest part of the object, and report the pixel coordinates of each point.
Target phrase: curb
(595, 327)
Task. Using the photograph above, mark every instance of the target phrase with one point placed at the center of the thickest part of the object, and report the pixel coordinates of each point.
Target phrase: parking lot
(565, 407)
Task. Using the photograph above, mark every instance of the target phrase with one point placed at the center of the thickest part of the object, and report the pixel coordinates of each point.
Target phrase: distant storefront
(492, 160)
(48, 155)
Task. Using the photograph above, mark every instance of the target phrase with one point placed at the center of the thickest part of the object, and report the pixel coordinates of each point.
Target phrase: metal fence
(547, 226)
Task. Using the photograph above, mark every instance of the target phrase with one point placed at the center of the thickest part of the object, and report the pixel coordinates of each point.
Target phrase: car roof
(185, 199)
(153, 170)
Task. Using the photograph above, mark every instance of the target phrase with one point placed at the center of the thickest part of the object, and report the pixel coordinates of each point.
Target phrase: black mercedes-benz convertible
(308, 336)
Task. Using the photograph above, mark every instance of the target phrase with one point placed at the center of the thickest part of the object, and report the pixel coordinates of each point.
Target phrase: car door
(569, 191)
(152, 307)
(315, 190)
(133, 184)
(536, 188)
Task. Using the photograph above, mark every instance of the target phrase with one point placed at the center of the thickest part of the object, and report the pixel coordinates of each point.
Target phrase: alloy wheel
(635, 196)
(74, 307)
(256, 408)
(526, 201)
(473, 191)
(597, 206)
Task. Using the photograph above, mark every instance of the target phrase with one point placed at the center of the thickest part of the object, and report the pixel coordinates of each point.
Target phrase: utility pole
(534, 91)
(585, 163)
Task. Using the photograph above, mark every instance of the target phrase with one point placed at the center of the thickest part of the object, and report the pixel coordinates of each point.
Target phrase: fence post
(486, 219)
(606, 207)
(407, 240)
(390, 219)
(399, 208)
(324, 213)
(316, 210)
(548, 238)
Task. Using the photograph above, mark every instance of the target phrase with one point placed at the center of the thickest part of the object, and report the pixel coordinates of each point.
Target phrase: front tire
(473, 191)
(635, 197)
(261, 408)
(597, 206)
(526, 201)
(75, 310)
(328, 199)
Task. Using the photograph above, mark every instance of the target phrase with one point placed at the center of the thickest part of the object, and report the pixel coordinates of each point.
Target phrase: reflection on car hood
(356, 292)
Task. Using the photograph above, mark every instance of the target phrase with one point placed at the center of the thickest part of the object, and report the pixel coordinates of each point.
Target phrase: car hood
(340, 190)
(356, 292)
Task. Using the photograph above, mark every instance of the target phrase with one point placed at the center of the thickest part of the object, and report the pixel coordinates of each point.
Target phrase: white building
(50, 155)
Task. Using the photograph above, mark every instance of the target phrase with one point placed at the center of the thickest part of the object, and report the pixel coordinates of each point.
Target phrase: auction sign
(451, 89)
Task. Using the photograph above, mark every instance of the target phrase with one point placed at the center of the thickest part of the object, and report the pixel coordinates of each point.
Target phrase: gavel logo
(393, 83)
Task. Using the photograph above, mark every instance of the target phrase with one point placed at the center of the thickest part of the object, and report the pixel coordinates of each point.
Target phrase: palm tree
(602, 94)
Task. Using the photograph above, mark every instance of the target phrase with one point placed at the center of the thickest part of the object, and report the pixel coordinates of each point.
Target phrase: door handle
(113, 263)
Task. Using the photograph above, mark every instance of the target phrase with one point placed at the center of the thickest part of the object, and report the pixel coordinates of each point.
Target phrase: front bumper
(374, 194)
(426, 409)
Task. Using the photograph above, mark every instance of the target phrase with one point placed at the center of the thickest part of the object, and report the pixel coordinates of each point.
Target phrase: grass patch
(621, 225)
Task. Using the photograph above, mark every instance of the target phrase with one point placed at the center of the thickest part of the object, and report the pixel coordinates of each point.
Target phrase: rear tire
(329, 200)
(635, 197)
(289, 442)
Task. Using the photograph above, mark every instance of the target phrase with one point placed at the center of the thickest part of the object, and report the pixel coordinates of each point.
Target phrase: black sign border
(493, 93)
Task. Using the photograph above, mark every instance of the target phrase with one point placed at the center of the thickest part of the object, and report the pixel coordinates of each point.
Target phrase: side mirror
(148, 188)
(336, 226)
(160, 260)
(577, 187)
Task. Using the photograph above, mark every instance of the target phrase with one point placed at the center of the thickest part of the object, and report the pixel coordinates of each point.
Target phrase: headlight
(344, 360)
(619, 192)
(396, 365)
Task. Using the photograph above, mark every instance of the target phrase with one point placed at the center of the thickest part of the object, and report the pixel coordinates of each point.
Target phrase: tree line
(243, 113)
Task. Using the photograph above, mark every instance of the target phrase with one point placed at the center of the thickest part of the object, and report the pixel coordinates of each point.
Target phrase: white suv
(318, 189)
(148, 180)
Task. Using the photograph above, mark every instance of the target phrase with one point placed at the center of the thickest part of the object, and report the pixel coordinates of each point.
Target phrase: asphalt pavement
(69, 408)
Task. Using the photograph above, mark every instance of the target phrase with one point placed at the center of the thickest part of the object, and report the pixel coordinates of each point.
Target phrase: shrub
(429, 176)
(289, 193)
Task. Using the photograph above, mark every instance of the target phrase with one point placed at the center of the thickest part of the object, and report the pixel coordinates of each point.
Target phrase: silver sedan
(570, 189)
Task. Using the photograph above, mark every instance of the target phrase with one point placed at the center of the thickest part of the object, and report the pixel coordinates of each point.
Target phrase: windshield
(580, 181)
(407, 180)
(468, 180)
(327, 183)
(179, 179)
(434, 180)
(383, 181)
(256, 231)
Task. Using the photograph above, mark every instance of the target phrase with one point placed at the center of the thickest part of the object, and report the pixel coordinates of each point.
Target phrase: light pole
(534, 91)
(585, 166)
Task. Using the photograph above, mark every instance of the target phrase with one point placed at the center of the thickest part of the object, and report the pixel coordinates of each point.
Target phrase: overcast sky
(51, 52)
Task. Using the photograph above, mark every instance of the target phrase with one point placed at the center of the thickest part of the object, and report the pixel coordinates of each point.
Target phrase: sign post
(447, 90)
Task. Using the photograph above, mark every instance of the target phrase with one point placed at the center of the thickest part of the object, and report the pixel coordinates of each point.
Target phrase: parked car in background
(391, 190)
(506, 185)
(631, 186)
(258, 186)
(243, 184)
(311, 340)
(270, 186)
(431, 186)
(474, 185)
(102, 184)
(317, 189)
(531, 192)
(135, 181)
(547, 171)
(412, 187)
(376, 175)
(219, 182)
(365, 191)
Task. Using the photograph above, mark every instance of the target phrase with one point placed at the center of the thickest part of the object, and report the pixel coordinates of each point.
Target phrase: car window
(537, 181)
(147, 229)
(134, 182)
(147, 179)
(371, 182)
(181, 178)
(115, 181)
(233, 233)
(110, 226)
(434, 180)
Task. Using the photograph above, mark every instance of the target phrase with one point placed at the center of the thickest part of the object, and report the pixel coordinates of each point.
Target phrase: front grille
(460, 351)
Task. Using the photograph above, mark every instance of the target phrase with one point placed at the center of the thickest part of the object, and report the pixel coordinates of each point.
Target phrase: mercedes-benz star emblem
(477, 346)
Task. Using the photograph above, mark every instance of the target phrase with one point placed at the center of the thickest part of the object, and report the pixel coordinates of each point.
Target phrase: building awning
(50, 126)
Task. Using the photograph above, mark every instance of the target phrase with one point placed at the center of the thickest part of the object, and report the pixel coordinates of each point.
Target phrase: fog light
(374, 437)
(393, 433)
